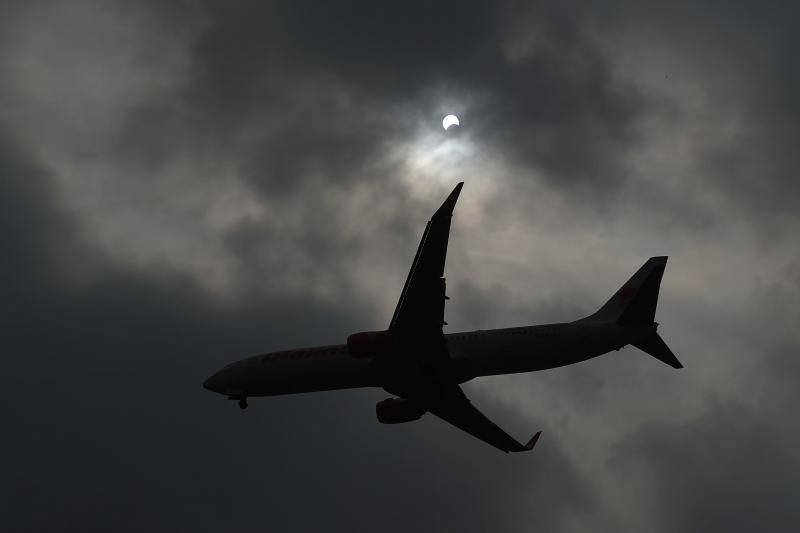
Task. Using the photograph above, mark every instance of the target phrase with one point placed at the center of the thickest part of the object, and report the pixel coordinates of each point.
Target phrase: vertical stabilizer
(635, 302)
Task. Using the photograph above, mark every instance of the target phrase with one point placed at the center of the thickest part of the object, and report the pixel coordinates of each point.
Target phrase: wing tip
(450, 203)
(529, 446)
(533, 441)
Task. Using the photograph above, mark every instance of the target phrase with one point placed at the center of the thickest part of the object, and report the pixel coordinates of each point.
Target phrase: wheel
(243, 403)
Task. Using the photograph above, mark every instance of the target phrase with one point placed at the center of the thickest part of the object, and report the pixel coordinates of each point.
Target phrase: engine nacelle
(398, 411)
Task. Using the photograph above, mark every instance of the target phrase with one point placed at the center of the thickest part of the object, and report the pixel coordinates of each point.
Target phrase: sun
(450, 120)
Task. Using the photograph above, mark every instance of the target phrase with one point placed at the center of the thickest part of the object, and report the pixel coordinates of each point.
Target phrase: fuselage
(471, 354)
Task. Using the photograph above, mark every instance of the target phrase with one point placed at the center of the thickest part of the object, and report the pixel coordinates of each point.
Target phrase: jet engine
(398, 411)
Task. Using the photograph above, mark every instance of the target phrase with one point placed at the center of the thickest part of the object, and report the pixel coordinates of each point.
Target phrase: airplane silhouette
(422, 367)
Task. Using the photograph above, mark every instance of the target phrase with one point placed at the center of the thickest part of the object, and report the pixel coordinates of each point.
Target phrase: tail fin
(635, 302)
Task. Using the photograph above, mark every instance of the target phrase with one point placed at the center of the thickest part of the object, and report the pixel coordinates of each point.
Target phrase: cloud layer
(182, 186)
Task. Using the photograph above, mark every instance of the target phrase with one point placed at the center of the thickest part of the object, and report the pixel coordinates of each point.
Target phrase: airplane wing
(421, 305)
(451, 405)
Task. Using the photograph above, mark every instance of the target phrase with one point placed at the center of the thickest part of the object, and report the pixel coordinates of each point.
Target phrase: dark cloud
(104, 407)
(184, 185)
(734, 56)
(296, 91)
(729, 454)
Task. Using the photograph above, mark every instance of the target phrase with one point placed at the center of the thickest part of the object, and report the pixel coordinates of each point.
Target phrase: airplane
(423, 368)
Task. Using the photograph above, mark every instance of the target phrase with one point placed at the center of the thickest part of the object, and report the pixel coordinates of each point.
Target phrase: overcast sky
(185, 185)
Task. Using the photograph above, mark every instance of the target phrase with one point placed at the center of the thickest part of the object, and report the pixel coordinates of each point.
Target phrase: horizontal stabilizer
(655, 346)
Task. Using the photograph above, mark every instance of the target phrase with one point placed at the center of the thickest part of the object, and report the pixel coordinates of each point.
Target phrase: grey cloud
(735, 55)
(297, 111)
(730, 454)
(315, 83)
(104, 398)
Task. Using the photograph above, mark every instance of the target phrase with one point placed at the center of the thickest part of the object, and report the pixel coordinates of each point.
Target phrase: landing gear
(241, 400)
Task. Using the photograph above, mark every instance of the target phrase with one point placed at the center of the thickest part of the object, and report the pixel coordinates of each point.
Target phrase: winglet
(447, 207)
(533, 441)
(528, 447)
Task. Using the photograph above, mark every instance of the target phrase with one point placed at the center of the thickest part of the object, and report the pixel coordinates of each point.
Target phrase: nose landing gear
(241, 400)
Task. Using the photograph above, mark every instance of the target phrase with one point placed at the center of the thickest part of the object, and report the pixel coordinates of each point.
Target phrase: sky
(185, 184)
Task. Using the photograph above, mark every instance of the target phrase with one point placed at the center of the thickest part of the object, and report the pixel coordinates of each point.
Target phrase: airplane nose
(214, 383)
